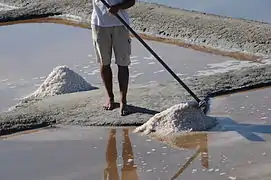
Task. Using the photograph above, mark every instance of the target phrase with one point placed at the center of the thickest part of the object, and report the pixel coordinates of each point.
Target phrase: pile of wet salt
(184, 117)
(61, 80)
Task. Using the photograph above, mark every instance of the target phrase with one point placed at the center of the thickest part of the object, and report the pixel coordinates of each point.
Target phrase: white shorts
(107, 38)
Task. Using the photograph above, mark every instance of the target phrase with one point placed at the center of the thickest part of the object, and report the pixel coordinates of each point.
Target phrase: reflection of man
(204, 150)
(128, 170)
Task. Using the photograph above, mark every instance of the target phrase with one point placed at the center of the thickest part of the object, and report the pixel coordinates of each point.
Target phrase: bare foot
(109, 105)
(124, 111)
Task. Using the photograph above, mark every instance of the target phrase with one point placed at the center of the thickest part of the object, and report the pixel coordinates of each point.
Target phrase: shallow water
(238, 148)
(248, 9)
(29, 52)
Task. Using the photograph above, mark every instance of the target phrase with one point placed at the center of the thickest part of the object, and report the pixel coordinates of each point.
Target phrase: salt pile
(61, 80)
(184, 117)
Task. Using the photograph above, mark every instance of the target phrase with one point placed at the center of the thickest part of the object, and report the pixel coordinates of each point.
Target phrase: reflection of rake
(199, 150)
(186, 164)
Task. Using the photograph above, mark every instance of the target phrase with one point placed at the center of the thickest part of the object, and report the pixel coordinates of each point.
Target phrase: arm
(124, 5)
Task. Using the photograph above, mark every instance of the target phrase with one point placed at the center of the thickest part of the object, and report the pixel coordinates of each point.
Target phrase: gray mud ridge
(226, 34)
(84, 108)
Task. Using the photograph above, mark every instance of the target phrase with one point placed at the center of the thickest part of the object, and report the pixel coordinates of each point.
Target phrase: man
(109, 33)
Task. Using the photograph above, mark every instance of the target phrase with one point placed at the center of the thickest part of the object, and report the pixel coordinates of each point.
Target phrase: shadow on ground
(136, 109)
(248, 131)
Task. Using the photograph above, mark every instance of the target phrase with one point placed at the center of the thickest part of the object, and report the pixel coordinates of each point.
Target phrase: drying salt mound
(61, 80)
(184, 117)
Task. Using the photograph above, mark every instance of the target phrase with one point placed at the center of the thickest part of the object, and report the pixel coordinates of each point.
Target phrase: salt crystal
(222, 174)
(149, 170)
(194, 170)
(4, 80)
(232, 178)
(130, 160)
(216, 170)
(211, 170)
(264, 154)
(153, 150)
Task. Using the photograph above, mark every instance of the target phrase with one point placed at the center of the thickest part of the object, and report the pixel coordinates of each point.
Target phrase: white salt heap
(61, 80)
(184, 117)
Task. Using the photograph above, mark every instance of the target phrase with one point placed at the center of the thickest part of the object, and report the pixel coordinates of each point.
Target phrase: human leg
(122, 51)
(102, 38)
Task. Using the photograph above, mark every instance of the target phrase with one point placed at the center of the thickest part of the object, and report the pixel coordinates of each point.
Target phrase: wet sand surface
(238, 148)
(31, 51)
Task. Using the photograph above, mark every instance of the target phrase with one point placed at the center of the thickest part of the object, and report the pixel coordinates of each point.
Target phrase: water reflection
(129, 170)
(197, 141)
